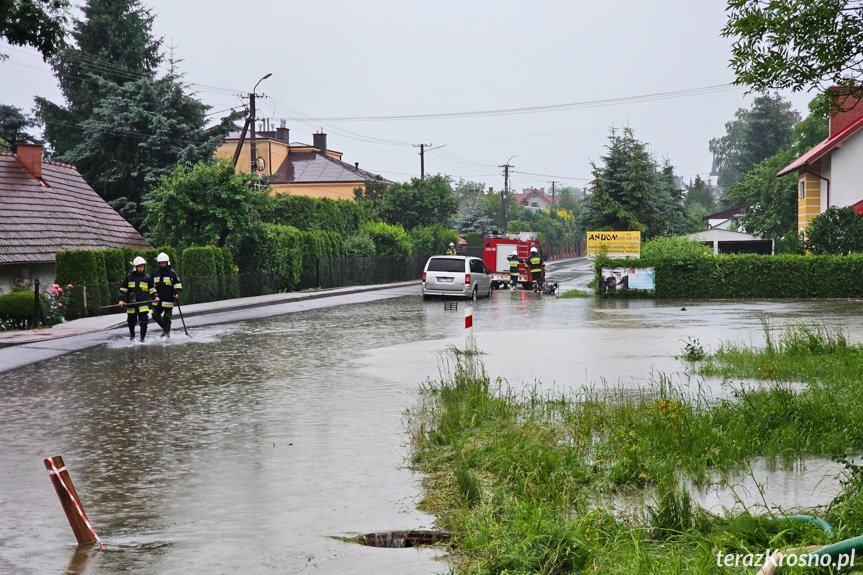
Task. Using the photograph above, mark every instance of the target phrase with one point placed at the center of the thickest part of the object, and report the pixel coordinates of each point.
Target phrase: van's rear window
(445, 265)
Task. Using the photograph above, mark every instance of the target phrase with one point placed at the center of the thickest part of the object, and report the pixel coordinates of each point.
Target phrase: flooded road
(246, 448)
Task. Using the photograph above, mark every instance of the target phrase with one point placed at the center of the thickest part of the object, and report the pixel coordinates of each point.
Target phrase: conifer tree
(630, 192)
(123, 126)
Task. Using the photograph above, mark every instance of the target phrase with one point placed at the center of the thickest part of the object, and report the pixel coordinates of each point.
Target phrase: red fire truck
(497, 248)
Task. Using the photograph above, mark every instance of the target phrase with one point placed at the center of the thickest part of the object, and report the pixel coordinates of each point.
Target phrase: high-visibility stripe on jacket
(167, 285)
(514, 262)
(137, 287)
(535, 264)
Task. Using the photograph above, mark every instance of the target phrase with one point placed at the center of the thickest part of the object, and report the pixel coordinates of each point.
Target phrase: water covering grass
(525, 481)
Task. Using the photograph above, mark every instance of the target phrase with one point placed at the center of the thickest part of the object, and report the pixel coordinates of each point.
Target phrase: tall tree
(419, 203)
(473, 220)
(137, 135)
(123, 127)
(796, 44)
(114, 45)
(13, 126)
(37, 23)
(752, 136)
(699, 193)
(770, 203)
(202, 204)
(630, 192)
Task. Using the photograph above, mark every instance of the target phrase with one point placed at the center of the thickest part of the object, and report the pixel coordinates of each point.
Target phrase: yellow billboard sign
(614, 244)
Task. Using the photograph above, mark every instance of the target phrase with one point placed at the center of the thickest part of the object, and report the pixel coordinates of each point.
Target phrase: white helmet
(452, 245)
(163, 257)
(139, 261)
(533, 250)
(514, 253)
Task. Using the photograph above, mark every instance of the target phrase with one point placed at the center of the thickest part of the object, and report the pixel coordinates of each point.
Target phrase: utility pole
(553, 182)
(422, 148)
(504, 195)
(253, 147)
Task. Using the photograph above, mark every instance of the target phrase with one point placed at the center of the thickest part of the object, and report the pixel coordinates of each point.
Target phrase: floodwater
(246, 448)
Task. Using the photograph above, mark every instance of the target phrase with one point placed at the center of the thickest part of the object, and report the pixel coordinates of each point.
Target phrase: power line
(547, 108)
(551, 176)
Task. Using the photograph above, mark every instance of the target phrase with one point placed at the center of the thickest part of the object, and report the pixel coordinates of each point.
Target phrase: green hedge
(473, 239)
(313, 214)
(391, 241)
(750, 276)
(201, 266)
(116, 264)
(16, 309)
(79, 268)
(432, 240)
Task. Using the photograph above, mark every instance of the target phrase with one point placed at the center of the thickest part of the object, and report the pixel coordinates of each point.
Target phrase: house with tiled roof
(298, 168)
(45, 208)
(536, 199)
(831, 173)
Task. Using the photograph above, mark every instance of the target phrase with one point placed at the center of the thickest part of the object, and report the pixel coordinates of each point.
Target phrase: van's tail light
(424, 277)
(467, 279)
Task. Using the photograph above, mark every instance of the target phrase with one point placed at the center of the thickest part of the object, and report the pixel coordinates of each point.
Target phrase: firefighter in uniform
(136, 291)
(537, 265)
(450, 251)
(514, 262)
(168, 289)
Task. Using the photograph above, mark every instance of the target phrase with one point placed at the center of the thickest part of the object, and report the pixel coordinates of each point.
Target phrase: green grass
(524, 481)
(574, 293)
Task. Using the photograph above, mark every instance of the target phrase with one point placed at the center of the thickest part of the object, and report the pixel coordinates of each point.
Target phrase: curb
(289, 298)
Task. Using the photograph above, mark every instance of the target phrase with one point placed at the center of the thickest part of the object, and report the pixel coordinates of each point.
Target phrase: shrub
(517, 226)
(201, 268)
(473, 239)
(837, 231)
(431, 240)
(674, 249)
(359, 246)
(287, 256)
(116, 265)
(391, 241)
(749, 276)
(314, 214)
(80, 268)
(16, 309)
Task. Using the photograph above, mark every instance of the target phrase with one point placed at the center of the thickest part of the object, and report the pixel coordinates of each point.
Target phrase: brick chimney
(320, 142)
(30, 156)
(849, 105)
(283, 135)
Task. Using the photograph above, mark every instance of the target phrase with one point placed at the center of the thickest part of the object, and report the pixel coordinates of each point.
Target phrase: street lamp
(254, 150)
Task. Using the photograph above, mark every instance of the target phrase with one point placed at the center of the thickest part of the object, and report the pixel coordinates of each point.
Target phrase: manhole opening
(402, 539)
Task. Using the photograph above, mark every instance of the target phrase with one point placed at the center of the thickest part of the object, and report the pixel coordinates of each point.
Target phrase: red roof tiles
(40, 217)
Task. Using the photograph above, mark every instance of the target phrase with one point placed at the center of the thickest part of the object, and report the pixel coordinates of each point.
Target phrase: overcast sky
(363, 60)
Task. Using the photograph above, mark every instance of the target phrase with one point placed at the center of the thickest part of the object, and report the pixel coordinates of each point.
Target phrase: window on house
(802, 186)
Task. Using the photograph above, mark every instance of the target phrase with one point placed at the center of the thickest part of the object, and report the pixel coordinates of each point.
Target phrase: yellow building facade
(297, 168)
(808, 199)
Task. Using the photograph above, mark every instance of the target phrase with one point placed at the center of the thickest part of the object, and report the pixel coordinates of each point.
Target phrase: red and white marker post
(469, 343)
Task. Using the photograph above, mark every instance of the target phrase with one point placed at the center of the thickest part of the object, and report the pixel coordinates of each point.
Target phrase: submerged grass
(525, 482)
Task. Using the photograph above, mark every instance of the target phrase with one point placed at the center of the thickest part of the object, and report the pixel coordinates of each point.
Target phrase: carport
(731, 242)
